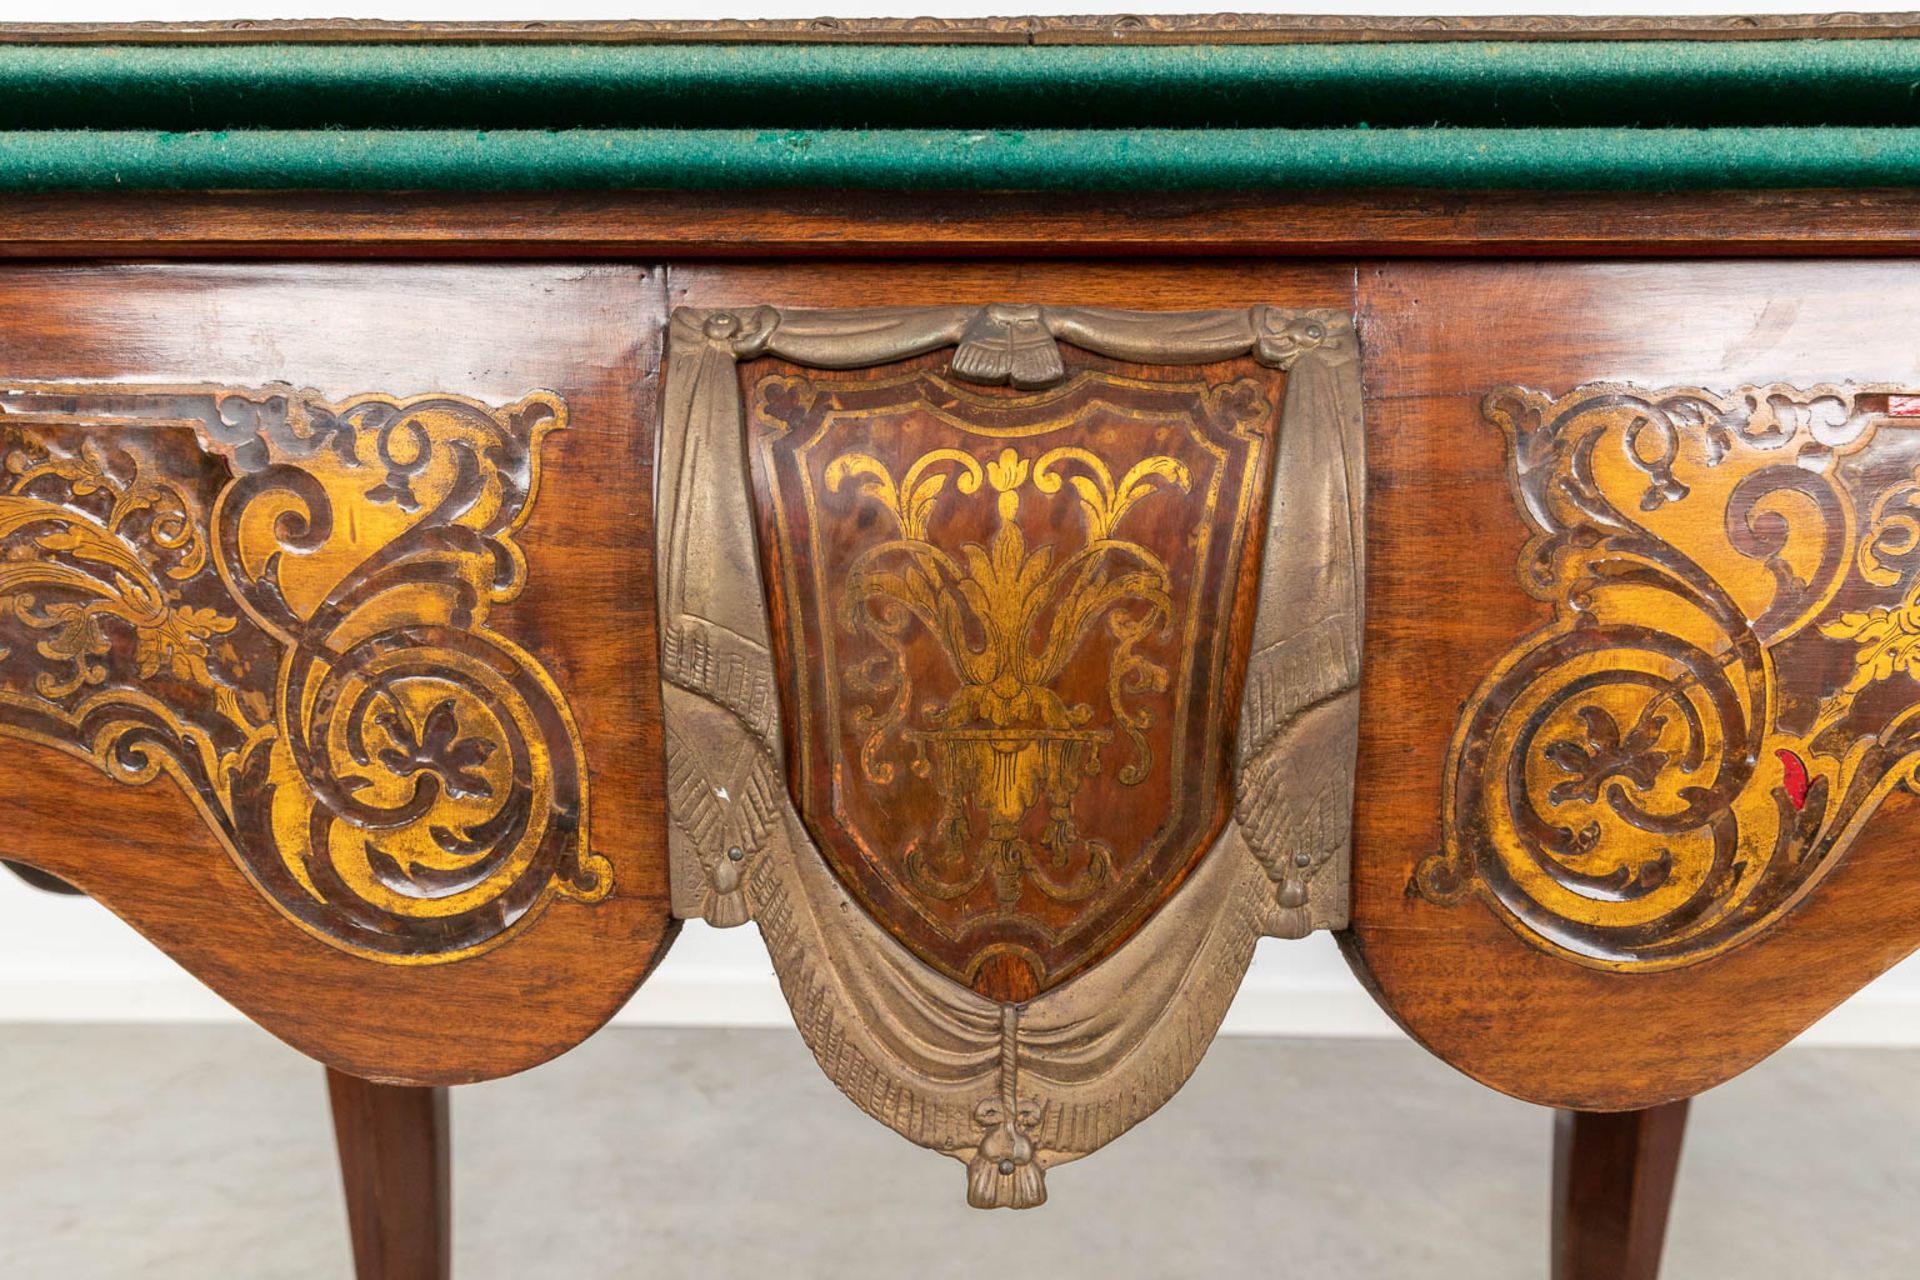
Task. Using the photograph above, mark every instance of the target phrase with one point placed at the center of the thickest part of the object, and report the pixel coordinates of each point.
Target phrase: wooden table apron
(532, 986)
(1444, 605)
(336, 359)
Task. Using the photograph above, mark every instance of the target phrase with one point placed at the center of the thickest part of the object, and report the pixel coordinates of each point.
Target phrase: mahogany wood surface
(495, 333)
(647, 225)
(1145, 285)
(1444, 598)
(1445, 603)
(397, 1171)
(1613, 1177)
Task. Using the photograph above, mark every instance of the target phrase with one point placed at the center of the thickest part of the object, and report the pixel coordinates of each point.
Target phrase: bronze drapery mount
(1013, 694)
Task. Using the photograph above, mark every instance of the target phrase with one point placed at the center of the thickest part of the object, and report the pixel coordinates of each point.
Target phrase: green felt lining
(1040, 160)
(1723, 83)
(1594, 115)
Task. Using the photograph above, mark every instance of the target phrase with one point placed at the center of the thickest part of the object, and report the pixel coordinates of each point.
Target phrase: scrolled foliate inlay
(1730, 685)
(282, 604)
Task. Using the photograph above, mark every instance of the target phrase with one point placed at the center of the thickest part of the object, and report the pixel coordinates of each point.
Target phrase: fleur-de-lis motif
(1009, 618)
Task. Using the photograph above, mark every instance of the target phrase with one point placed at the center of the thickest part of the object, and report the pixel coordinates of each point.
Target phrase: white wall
(68, 960)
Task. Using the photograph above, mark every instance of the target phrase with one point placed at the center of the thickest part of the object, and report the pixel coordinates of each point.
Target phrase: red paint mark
(1903, 406)
(1796, 779)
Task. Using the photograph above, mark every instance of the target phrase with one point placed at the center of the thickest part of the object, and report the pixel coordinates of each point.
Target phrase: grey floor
(204, 1152)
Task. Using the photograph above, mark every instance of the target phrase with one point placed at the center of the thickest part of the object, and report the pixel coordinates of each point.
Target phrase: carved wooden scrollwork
(1011, 693)
(282, 604)
(1726, 691)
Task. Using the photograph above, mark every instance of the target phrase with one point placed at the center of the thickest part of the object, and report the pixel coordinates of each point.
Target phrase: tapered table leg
(1613, 1175)
(393, 1160)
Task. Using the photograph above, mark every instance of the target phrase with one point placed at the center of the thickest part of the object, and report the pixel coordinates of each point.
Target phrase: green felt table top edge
(1480, 84)
(1469, 114)
(1088, 160)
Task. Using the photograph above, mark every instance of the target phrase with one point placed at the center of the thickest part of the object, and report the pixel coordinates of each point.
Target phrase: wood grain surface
(677, 225)
(396, 1167)
(1444, 598)
(1445, 604)
(1613, 1179)
(494, 334)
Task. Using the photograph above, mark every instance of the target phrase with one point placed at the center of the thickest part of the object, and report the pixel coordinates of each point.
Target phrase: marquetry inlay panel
(1726, 691)
(1021, 621)
(282, 604)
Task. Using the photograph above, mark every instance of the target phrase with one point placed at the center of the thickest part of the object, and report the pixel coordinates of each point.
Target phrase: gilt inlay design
(282, 603)
(1727, 691)
(1024, 618)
